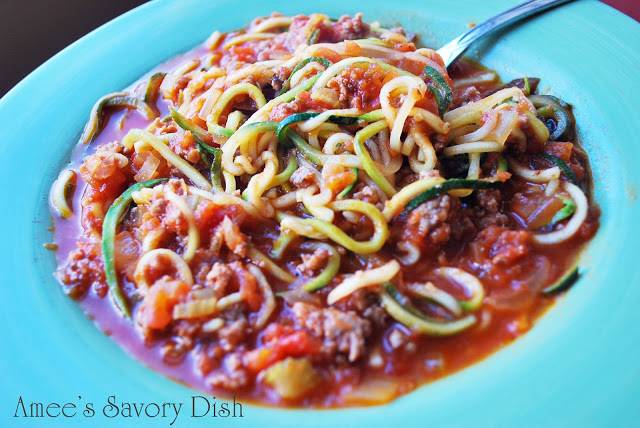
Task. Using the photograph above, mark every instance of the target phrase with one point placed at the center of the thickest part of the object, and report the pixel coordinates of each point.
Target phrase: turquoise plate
(579, 365)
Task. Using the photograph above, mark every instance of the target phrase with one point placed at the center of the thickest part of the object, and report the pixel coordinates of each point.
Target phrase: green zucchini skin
(301, 117)
(111, 220)
(281, 132)
(188, 125)
(117, 99)
(350, 187)
(287, 84)
(566, 281)
(445, 186)
(566, 169)
(404, 312)
(151, 93)
(442, 91)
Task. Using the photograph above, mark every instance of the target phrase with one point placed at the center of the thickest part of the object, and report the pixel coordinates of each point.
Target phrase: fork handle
(452, 50)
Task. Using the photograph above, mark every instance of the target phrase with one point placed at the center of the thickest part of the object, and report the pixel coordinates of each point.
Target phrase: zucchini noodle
(433, 293)
(330, 270)
(284, 176)
(336, 141)
(324, 116)
(471, 284)
(117, 99)
(472, 174)
(397, 203)
(362, 279)
(539, 128)
(194, 234)
(490, 119)
(473, 111)
(297, 77)
(160, 147)
(317, 157)
(572, 226)
(476, 147)
(150, 258)
(473, 80)
(268, 302)
(234, 120)
(426, 158)
(286, 200)
(314, 228)
(265, 262)
(61, 192)
(367, 163)
(337, 68)
(242, 140)
(281, 244)
(195, 309)
(226, 199)
(420, 323)
(227, 96)
(411, 253)
(263, 113)
(414, 89)
(229, 300)
(433, 120)
(260, 183)
(247, 37)
(534, 176)
(316, 203)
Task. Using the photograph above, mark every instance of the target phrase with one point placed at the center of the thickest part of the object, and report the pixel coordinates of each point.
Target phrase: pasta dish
(315, 212)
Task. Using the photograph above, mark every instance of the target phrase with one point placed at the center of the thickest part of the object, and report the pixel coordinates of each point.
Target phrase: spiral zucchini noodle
(310, 195)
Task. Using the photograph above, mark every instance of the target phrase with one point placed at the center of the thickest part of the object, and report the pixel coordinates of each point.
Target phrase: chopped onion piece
(195, 308)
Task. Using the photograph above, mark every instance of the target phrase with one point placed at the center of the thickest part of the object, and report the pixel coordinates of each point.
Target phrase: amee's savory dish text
(314, 212)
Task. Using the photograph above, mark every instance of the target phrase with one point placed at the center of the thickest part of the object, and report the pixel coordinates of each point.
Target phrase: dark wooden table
(630, 7)
(31, 31)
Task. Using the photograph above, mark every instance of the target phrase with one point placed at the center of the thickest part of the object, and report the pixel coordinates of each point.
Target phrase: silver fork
(452, 50)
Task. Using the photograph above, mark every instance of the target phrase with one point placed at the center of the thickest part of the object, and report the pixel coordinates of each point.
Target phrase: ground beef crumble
(342, 332)
(434, 222)
(84, 269)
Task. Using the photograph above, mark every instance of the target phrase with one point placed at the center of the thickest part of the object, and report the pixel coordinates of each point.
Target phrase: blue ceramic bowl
(577, 367)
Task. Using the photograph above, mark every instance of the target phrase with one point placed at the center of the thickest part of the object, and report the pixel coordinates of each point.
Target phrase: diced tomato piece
(259, 359)
(503, 176)
(406, 47)
(337, 177)
(560, 150)
(308, 103)
(351, 48)
(241, 53)
(209, 215)
(281, 342)
(296, 344)
(156, 311)
(328, 54)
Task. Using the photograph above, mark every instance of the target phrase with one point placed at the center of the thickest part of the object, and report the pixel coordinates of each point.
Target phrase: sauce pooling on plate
(313, 212)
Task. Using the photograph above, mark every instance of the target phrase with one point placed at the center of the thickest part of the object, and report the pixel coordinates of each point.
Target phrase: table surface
(630, 7)
(31, 31)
